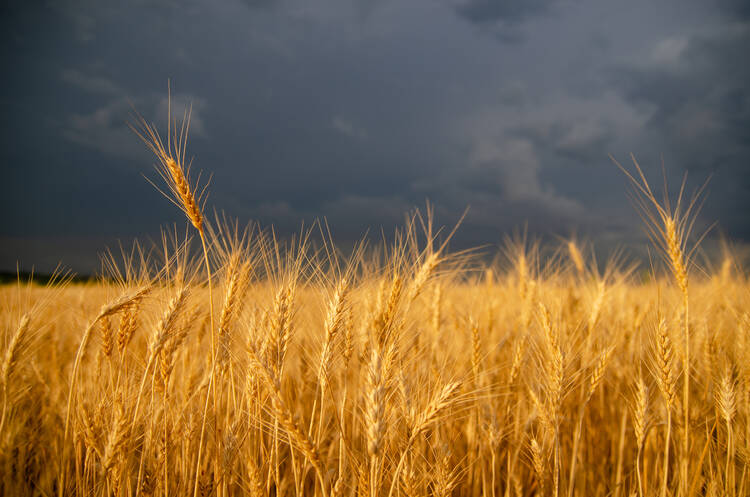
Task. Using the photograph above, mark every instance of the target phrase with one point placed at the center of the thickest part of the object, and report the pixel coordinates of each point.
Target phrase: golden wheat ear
(669, 226)
(173, 166)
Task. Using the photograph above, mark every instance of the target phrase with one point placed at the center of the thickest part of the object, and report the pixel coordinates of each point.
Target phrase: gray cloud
(90, 84)
(107, 129)
(347, 128)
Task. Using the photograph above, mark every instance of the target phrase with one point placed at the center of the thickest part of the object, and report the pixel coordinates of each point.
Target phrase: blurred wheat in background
(256, 367)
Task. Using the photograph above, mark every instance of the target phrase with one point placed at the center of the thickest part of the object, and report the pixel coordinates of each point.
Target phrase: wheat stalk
(665, 378)
(576, 257)
(726, 402)
(640, 419)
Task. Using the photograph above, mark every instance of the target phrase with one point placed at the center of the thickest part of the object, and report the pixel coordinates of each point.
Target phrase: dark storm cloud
(736, 8)
(504, 19)
(359, 111)
(696, 92)
(254, 4)
(507, 12)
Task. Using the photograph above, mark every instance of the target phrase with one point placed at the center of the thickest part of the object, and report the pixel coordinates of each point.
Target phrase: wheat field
(227, 363)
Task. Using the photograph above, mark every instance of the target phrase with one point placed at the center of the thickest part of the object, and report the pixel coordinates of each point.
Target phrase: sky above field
(359, 110)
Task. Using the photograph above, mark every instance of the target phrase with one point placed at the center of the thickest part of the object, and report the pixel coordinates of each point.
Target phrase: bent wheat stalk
(11, 357)
(440, 402)
(113, 307)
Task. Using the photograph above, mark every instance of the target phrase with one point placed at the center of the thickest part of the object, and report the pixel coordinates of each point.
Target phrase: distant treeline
(8, 277)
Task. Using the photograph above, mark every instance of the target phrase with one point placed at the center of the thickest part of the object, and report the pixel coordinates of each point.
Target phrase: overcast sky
(358, 110)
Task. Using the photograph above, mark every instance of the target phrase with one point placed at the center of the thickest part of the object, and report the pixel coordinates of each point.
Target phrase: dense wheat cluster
(252, 367)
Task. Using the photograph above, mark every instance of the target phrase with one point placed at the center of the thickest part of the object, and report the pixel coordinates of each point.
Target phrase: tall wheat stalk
(669, 228)
(176, 171)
